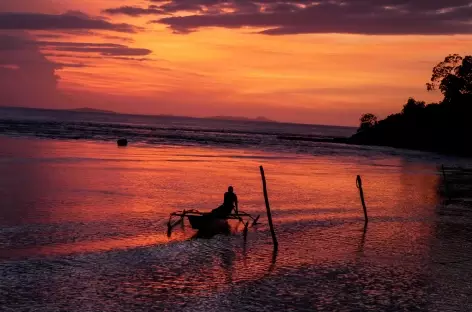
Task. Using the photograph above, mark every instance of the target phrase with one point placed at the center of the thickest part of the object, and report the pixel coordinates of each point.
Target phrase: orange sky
(322, 78)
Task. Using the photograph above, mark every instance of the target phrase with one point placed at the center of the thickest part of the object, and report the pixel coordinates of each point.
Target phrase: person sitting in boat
(230, 202)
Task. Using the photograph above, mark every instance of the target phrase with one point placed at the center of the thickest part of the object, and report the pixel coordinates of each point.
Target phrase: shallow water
(168, 130)
(83, 228)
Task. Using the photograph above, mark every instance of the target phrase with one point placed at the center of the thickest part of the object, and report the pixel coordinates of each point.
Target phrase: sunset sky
(323, 62)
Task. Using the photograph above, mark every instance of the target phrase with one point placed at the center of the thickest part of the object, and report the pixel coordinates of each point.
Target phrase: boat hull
(206, 222)
(198, 222)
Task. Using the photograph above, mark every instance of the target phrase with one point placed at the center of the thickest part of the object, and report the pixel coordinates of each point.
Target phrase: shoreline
(349, 141)
(284, 153)
(214, 118)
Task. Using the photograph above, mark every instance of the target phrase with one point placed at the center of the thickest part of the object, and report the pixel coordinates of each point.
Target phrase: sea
(83, 222)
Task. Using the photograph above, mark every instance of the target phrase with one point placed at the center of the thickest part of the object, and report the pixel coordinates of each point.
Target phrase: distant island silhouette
(238, 118)
(235, 118)
(102, 111)
(91, 110)
(443, 127)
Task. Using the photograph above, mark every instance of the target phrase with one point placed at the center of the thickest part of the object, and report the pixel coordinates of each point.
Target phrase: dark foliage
(443, 127)
(367, 121)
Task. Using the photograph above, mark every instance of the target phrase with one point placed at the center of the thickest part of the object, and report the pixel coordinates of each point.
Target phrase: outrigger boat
(207, 222)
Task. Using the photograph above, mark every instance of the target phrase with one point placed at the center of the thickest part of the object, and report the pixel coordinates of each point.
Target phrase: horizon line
(110, 112)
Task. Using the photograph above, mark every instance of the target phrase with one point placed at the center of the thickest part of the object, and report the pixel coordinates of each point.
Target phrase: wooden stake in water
(361, 192)
(269, 216)
(446, 186)
(246, 225)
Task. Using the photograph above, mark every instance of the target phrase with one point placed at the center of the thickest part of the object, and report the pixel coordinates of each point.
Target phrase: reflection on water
(83, 228)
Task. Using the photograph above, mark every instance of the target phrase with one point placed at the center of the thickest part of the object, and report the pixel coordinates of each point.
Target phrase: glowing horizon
(219, 63)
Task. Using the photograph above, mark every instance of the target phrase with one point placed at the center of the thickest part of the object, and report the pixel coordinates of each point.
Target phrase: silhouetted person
(230, 202)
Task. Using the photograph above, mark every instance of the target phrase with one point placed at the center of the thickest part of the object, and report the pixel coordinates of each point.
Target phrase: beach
(235, 155)
(83, 228)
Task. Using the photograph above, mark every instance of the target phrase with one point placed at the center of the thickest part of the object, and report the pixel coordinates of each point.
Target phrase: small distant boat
(122, 142)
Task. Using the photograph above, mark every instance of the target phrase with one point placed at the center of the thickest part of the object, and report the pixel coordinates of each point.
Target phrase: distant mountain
(91, 110)
(236, 118)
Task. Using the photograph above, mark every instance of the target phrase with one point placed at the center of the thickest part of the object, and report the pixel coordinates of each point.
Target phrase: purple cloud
(9, 42)
(26, 75)
(92, 57)
(30, 79)
(106, 51)
(67, 21)
(134, 10)
(371, 17)
(71, 65)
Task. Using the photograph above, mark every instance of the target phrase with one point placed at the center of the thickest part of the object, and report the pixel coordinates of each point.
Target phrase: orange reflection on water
(101, 245)
(91, 193)
(95, 215)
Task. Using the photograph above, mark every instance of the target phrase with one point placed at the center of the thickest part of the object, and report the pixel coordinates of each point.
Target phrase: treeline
(443, 127)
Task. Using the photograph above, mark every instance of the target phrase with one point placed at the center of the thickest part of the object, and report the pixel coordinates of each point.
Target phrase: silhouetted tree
(453, 77)
(367, 121)
(443, 127)
(413, 107)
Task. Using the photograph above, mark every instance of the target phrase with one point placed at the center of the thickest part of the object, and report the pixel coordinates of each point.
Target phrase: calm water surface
(83, 228)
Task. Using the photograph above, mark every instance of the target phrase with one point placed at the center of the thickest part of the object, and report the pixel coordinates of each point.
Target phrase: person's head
(230, 189)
